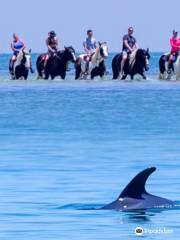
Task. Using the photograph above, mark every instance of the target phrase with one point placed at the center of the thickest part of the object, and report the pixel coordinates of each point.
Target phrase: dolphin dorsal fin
(136, 187)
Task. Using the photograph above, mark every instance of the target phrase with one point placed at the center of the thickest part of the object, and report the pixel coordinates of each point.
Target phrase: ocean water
(67, 147)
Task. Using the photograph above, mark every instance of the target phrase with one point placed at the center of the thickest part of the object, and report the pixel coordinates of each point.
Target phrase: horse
(56, 65)
(21, 66)
(164, 71)
(177, 68)
(96, 64)
(136, 65)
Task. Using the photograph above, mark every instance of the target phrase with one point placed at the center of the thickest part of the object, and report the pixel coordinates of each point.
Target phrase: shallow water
(70, 146)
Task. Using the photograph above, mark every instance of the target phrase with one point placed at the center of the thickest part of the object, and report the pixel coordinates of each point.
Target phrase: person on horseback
(90, 46)
(17, 45)
(129, 46)
(52, 45)
(175, 49)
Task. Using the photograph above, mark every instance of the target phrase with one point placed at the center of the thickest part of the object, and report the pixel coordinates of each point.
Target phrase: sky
(153, 22)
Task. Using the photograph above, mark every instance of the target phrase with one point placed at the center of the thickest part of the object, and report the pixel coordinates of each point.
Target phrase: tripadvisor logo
(139, 231)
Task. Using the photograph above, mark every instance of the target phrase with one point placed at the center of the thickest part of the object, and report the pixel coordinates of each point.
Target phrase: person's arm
(127, 45)
(135, 46)
(178, 43)
(13, 49)
(48, 46)
(24, 45)
(57, 42)
(173, 44)
(85, 47)
(95, 43)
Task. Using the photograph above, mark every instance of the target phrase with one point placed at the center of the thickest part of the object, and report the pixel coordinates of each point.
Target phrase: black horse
(56, 65)
(139, 65)
(20, 69)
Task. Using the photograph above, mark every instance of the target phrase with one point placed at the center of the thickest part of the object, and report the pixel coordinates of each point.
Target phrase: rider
(90, 46)
(16, 45)
(129, 46)
(52, 45)
(175, 48)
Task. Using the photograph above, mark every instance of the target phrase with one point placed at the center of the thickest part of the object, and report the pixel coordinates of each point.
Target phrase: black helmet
(52, 34)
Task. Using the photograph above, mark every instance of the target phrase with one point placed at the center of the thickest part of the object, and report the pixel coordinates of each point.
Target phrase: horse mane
(139, 53)
(60, 53)
(95, 55)
(19, 58)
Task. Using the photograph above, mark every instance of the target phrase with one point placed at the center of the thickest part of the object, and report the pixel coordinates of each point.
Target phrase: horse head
(103, 49)
(26, 58)
(143, 57)
(69, 53)
(147, 57)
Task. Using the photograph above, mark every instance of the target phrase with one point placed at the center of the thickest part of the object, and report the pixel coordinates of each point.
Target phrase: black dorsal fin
(136, 187)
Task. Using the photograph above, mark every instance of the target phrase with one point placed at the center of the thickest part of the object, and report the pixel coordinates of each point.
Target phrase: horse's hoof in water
(160, 76)
(168, 77)
(12, 77)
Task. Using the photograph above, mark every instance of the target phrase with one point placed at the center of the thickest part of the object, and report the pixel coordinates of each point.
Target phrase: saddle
(44, 57)
(88, 57)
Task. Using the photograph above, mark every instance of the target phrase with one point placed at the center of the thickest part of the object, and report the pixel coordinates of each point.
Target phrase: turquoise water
(69, 146)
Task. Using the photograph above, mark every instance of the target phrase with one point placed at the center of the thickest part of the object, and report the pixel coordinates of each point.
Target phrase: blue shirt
(90, 44)
(18, 45)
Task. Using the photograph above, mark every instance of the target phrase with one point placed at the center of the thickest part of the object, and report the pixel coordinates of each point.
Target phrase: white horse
(177, 67)
(96, 64)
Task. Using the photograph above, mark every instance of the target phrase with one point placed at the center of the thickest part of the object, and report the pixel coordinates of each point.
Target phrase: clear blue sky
(153, 22)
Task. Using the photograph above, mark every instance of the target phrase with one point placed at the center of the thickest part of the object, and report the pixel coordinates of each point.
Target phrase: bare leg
(124, 58)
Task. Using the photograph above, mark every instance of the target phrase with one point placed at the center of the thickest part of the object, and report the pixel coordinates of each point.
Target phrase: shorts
(15, 53)
(126, 52)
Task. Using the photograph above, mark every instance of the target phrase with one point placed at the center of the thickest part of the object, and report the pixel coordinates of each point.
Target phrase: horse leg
(63, 75)
(143, 76)
(92, 76)
(94, 73)
(26, 74)
(102, 76)
(132, 76)
(125, 76)
(115, 75)
(46, 76)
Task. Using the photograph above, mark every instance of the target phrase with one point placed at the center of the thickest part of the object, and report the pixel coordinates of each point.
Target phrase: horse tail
(39, 66)
(77, 68)
(77, 72)
(115, 67)
(162, 67)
